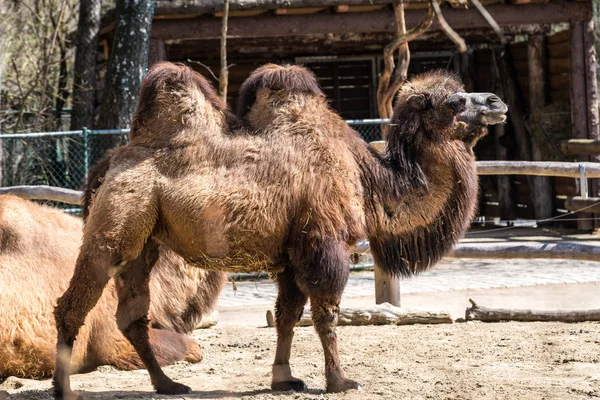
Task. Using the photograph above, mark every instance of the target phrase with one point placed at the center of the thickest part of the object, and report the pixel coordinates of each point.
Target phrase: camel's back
(247, 196)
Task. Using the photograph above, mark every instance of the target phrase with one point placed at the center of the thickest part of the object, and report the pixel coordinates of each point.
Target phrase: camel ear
(417, 101)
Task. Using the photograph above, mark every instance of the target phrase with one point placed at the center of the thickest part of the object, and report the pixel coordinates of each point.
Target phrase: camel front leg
(325, 312)
(133, 289)
(288, 310)
(322, 271)
(84, 290)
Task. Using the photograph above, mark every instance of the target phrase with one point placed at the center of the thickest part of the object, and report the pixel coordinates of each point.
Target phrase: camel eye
(457, 103)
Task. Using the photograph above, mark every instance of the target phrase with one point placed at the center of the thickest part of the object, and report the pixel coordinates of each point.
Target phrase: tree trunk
(86, 47)
(126, 68)
(542, 186)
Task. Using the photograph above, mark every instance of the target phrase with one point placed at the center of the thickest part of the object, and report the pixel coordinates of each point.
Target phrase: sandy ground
(459, 361)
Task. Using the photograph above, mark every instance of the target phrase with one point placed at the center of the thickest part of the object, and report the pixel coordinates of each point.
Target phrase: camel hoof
(296, 386)
(344, 385)
(172, 387)
(67, 395)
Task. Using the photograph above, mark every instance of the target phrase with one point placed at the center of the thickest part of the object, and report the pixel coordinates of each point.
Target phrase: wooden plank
(558, 65)
(174, 7)
(298, 11)
(559, 37)
(51, 193)
(559, 81)
(266, 25)
(575, 147)
(241, 13)
(537, 168)
(576, 203)
(344, 8)
(559, 50)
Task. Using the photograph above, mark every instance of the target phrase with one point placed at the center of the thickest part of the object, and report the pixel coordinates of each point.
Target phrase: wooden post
(387, 287)
(507, 207)
(584, 99)
(506, 198)
(543, 199)
(156, 52)
(467, 62)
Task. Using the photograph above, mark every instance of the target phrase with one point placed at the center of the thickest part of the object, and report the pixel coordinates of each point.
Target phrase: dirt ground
(459, 361)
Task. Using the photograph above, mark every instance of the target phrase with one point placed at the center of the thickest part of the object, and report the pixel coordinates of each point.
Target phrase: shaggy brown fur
(193, 293)
(38, 249)
(288, 200)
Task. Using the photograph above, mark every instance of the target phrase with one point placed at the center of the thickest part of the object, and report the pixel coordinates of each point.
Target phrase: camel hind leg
(133, 289)
(322, 272)
(288, 310)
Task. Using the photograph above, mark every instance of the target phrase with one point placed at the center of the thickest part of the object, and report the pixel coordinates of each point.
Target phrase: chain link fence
(368, 129)
(63, 159)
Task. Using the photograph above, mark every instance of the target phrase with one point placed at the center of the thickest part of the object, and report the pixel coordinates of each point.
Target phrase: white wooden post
(387, 288)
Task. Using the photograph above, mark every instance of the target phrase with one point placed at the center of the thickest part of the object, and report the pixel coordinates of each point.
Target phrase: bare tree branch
(224, 75)
(216, 78)
(451, 33)
(393, 77)
(490, 20)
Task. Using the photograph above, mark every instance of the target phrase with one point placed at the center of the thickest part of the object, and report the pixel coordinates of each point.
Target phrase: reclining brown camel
(289, 199)
(38, 250)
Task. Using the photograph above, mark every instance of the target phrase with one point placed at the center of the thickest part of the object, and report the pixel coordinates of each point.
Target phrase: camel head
(172, 96)
(274, 90)
(436, 106)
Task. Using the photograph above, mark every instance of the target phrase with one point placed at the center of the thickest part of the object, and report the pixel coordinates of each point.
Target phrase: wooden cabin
(550, 62)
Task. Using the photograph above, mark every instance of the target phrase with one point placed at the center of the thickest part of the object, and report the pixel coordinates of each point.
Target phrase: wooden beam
(298, 11)
(241, 13)
(41, 192)
(344, 8)
(378, 21)
(173, 7)
(577, 147)
(576, 203)
(156, 52)
(537, 168)
(568, 251)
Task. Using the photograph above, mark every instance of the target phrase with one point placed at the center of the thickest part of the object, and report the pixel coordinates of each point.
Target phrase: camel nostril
(493, 99)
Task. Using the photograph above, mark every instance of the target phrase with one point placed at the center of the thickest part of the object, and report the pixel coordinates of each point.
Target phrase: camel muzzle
(479, 108)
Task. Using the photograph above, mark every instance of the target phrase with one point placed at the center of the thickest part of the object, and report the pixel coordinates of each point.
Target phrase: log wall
(558, 95)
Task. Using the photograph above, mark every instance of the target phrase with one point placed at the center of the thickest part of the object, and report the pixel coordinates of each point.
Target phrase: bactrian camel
(287, 195)
(38, 250)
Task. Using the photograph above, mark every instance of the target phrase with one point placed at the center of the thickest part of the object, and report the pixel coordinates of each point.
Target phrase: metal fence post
(86, 153)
